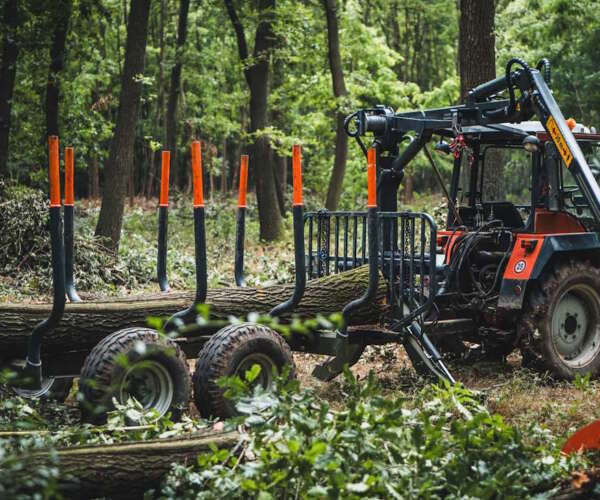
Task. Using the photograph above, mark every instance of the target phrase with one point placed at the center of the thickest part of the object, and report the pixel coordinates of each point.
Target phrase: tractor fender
(530, 256)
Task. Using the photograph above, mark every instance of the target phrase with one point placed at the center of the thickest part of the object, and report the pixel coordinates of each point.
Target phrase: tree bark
(8, 71)
(121, 149)
(174, 89)
(334, 191)
(126, 470)
(257, 77)
(94, 179)
(61, 16)
(476, 51)
(84, 324)
(224, 168)
(477, 64)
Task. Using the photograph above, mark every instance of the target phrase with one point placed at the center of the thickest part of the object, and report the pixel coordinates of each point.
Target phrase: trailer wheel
(232, 351)
(138, 363)
(560, 327)
(53, 389)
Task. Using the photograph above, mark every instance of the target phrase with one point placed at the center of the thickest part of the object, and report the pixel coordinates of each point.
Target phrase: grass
(521, 396)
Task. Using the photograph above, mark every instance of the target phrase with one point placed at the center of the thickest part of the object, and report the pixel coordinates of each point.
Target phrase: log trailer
(501, 274)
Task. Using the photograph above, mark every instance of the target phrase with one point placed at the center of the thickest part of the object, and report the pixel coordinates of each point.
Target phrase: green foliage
(440, 444)
(567, 34)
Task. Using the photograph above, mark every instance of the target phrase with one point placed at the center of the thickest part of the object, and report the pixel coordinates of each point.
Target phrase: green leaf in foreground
(441, 444)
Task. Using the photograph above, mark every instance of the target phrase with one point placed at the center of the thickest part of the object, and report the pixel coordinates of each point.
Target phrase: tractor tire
(231, 351)
(559, 330)
(134, 362)
(52, 389)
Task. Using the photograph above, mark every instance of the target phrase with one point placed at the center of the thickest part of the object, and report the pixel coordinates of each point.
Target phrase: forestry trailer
(521, 272)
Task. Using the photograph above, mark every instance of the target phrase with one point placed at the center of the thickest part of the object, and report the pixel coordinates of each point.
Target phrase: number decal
(520, 266)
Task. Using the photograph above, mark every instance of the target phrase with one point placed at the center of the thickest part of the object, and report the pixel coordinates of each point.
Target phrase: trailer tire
(139, 361)
(231, 351)
(53, 389)
(560, 326)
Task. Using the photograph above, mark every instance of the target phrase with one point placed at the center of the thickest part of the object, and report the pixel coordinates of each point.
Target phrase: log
(126, 470)
(85, 324)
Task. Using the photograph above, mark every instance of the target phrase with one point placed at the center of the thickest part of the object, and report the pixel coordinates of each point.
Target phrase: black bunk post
(189, 314)
(163, 222)
(33, 363)
(373, 240)
(240, 228)
(298, 217)
(346, 352)
(69, 229)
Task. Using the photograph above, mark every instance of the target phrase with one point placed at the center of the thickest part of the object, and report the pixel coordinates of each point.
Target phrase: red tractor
(521, 271)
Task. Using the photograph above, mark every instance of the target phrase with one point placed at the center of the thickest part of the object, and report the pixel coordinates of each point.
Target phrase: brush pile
(25, 248)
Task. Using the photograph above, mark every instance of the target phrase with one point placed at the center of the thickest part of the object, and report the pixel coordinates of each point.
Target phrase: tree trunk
(224, 168)
(334, 191)
(161, 80)
(84, 324)
(174, 89)
(477, 64)
(8, 71)
(408, 187)
(121, 149)
(396, 45)
(476, 52)
(257, 76)
(94, 179)
(125, 470)
(279, 172)
(61, 16)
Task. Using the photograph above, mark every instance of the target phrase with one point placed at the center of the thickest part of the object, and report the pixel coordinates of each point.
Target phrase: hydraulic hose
(511, 89)
(545, 65)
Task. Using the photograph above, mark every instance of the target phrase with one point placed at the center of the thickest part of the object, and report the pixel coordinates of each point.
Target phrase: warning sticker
(559, 140)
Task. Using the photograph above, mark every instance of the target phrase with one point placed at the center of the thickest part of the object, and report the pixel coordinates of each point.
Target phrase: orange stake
(54, 174)
(243, 182)
(297, 173)
(197, 174)
(164, 178)
(69, 197)
(372, 178)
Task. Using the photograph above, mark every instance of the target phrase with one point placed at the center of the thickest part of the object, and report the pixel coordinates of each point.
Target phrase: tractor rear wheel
(232, 351)
(560, 327)
(134, 363)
